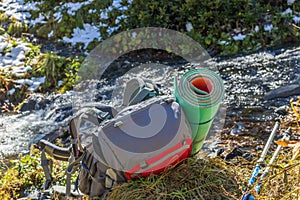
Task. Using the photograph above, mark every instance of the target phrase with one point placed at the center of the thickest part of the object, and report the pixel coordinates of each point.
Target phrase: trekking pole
(286, 136)
(260, 161)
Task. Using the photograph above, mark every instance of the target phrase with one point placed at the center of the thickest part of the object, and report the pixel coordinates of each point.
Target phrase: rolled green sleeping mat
(199, 92)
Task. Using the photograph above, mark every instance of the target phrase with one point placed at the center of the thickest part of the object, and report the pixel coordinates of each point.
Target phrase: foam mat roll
(200, 92)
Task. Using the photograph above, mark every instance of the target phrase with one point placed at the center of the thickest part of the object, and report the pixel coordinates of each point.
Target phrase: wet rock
(248, 156)
(28, 105)
(238, 128)
(34, 102)
(235, 131)
(35, 195)
(232, 153)
(212, 148)
(282, 110)
(284, 91)
(59, 192)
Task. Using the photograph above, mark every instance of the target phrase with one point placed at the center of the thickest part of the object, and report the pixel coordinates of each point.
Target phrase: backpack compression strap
(163, 160)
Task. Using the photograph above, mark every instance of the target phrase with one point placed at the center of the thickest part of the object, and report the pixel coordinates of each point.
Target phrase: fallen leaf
(282, 143)
(286, 143)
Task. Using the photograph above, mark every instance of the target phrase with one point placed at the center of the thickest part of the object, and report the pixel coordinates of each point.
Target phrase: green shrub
(215, 22)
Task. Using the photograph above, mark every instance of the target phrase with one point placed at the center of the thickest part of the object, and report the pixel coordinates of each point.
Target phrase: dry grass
(192, 179)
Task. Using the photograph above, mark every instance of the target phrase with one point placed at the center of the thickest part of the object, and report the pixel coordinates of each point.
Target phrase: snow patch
(223, 42)
(104, 15)
(24, 81)
(3, 45)
(20, 16)
(58, 16)
(31, 5)
(73, 7)
(112, 29)
(85, 35)
(296, 19)
(36, 82)
(239, 37)
(287, 11)
(17, 9)
(290, 2)
(92, 11)
(268, 27)
(11, 91)
(14, 59)
(39, 20)
(59, 83)
(20, 71)
(119, 18)
(118, 5)
(50, 34)
(189, 26)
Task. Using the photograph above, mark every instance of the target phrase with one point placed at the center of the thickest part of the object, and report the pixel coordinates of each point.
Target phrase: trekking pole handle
(268, 144)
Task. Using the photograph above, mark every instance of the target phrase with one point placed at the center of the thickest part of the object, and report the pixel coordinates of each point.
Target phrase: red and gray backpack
(146, 137)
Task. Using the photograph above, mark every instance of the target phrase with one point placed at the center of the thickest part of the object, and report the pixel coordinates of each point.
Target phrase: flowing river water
(247, 79)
